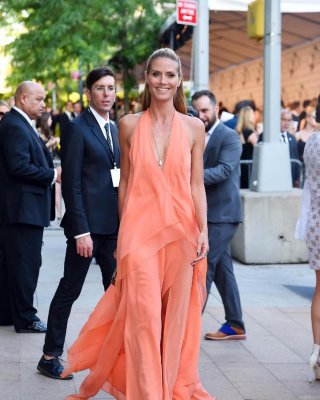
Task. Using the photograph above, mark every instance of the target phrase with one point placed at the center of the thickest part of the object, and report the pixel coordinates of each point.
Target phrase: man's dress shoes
(52, 368)
(35, 327)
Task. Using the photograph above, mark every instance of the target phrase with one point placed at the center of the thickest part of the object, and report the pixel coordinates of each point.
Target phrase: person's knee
(68, 290)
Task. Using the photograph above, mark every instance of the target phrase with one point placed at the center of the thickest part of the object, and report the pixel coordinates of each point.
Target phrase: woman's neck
(161, 112)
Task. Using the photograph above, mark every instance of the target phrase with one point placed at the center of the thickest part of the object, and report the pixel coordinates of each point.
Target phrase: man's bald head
(29, 97)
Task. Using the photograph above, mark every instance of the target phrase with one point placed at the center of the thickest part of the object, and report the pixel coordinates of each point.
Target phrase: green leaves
(57, 34)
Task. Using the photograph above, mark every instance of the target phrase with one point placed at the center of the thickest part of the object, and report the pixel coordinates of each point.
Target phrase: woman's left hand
(202, 248)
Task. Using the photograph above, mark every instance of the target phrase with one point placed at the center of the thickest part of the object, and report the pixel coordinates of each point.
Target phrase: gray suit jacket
(222, 175)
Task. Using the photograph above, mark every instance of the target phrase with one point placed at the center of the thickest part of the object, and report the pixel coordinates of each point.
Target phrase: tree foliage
(58, 34)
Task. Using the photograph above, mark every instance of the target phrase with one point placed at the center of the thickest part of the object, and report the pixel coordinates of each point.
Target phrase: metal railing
(298, 163)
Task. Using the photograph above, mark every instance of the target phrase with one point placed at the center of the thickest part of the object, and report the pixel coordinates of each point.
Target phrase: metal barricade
(298, 163)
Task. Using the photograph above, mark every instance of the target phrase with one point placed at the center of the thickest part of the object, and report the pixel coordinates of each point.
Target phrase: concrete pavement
(270, 365)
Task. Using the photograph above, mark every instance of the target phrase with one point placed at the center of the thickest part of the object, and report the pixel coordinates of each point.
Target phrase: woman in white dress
(308, 228)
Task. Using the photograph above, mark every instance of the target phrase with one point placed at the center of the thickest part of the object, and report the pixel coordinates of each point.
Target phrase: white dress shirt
(32, 124)
(210, 132)
(284, 137)
(30, 121)
(102, 122)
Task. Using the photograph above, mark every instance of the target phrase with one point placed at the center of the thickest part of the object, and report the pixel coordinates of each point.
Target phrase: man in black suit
(221, 179)
(67, 116)
(90, 157)
(286, 137)
(26, 178)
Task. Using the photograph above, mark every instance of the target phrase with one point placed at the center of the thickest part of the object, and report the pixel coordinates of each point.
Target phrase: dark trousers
(5, 307)
(70, 286)
(220, 271)
(21, 260)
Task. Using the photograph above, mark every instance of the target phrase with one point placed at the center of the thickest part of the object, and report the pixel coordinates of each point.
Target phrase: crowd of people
(298, 123)
(160, 230)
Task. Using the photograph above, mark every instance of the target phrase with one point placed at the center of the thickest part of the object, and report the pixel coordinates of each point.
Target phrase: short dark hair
(306, 103)
(96, 74)
(192, 112)
(201, 93)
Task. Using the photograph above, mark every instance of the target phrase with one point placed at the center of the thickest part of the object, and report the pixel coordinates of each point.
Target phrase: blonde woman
(249, 138)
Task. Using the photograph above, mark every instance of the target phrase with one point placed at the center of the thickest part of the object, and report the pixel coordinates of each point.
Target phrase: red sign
(187, 12)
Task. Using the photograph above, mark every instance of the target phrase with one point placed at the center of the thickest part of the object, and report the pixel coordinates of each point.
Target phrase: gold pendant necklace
(160, 160)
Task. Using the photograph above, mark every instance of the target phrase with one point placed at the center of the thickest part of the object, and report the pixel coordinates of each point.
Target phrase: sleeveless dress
(311, 158)
(142, 340)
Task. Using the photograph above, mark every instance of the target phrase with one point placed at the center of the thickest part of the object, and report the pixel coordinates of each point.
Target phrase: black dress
(301, 145)
(247, 154)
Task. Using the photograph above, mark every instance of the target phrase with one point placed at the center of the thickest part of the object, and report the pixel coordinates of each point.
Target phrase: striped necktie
(108, 137)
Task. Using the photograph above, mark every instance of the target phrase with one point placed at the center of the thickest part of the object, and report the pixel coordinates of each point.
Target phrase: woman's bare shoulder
(192, 123)
(130, 120)
(128, 123)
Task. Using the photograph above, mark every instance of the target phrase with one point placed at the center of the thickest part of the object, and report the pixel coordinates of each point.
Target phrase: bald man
(26, 178)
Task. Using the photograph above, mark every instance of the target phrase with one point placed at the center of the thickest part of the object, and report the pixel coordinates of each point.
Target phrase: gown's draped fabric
(142, 340)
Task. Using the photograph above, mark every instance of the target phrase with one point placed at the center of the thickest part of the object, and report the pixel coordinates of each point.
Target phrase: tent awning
(291, 6)
(228, 41)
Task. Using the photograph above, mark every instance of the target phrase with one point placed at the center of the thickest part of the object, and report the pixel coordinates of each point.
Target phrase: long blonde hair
(245, 121)
(179, 100)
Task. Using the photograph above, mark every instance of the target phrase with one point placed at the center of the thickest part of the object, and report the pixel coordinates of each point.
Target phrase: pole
(271, 171)
(171, 44)
(80, 83)
(201, 47)
(54, 97)
(272, 71)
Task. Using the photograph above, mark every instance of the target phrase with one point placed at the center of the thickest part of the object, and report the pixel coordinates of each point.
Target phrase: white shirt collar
(69, 114)
(30, 121)
(101, 121)
(210, 132)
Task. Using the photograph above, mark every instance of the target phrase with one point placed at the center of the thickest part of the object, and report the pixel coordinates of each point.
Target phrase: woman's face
(163, 78)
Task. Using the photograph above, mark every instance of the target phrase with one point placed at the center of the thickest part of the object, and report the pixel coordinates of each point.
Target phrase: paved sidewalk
(270, 365)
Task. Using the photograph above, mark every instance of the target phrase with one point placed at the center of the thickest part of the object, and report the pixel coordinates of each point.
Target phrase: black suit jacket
(63, 122)
(26, 173)
(222, 175)
(294, 155)
(90, 198)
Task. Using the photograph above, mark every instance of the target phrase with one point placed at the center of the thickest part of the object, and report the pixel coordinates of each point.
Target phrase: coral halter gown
(142, 340)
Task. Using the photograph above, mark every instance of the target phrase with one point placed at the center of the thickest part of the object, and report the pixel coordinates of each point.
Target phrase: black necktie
(108, 137)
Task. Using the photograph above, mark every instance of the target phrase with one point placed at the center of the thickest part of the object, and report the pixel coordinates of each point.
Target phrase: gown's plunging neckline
(154, 146)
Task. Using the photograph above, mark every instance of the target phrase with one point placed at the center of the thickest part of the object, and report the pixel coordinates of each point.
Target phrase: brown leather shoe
(226, 332)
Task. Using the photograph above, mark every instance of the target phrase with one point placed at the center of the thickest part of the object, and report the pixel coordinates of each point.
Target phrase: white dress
(310, 215)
